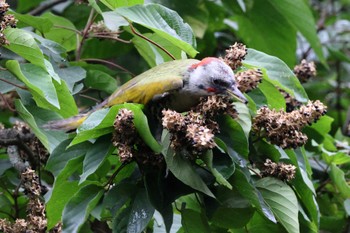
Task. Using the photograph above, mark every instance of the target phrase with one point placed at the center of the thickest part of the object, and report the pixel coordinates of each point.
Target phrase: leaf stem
(13, 84)
(151, 41)
(110, 37)
(109, 63)
(84, 34)
(68, 28)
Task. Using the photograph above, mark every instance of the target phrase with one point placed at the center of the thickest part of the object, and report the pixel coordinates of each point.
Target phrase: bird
(183, 82)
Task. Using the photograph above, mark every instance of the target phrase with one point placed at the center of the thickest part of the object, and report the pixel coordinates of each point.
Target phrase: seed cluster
(6, 20)
(305, 70)
(130, 146)
(291, 103)
(283, 171)
(249, 79)
(195, 130)
(284, 129)
(235, 55)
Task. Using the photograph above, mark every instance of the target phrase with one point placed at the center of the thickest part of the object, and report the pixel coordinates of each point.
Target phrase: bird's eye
(220, 82)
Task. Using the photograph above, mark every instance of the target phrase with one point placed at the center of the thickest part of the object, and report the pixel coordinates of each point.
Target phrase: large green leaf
(276, 36)
(66, 38)
(295, 10)
(164, 22)
(278, 73)
(282, 201)
(79, 207)
(6, 87)
(232, 217)
(101, 81)
(274, 98)
(23, 43)
(62, 191)
(259, 224)
(95, 156)
(182, 168)
(112, 4)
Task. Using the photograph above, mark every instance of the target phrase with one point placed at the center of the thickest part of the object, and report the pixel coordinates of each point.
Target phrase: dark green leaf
(232, 217)
(95, 156)
(101, 81)
(164, 22)
(141, 213)
(40, 23)
(79, 207)
(6, 87)
(182, 168)
(194, 222)
(259, 224)
(282, 201)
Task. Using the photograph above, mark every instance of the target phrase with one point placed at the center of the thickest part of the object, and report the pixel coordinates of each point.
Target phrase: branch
(40, 9)
(109, 63)
(13, 84)
(151, 41)
(84, 34)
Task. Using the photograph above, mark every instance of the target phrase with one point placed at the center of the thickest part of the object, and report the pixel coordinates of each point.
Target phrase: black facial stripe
(201, 86)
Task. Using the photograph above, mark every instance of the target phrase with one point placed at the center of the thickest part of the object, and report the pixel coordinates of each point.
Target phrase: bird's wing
(156, 81)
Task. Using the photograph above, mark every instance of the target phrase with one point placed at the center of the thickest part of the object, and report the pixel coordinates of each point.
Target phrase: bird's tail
(67, 124)
(74, 122)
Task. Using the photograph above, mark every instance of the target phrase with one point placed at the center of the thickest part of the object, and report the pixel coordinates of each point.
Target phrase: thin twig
(13, 84)
(84, 34)
(151, 41)
(90, 98)
(68, 28)
(7, 103)
(110, 180)
(44, 7)
(109, 63)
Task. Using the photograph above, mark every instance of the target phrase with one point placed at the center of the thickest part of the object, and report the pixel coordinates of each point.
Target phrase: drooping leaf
(338, 177)
(282, 201)
(164, 22)
(193, 221)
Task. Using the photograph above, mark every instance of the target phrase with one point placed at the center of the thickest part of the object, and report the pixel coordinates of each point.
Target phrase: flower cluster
(305, 70)
(283, 171)
(284, 129)
(100, 30)
(195, 130)
(130, 146)
(6, 20)
(235, 55)
(249, 79)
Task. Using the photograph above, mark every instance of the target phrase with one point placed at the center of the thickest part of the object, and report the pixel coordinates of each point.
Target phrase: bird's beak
(237, 94)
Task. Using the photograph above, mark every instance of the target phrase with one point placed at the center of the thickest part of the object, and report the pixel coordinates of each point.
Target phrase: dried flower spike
(235, 54)
(291, 103)
(305, 70)
(249, 79)
(200, 137)
(282, 171)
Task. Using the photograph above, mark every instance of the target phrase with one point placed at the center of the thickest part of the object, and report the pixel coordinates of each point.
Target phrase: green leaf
(278, 73)
(112, 4)
(275, 99)
(66, 38)
(295, 10)
(182, 168)
(79, 207)
(231, 133)
(95, 156)
(34, 117)
(164, 22)
(282, 201)
(101, 81)
(241, 182)
(72, 75)
(194, 222)
(62, 191)
(23, 43)
(61, 156)
(141, 212)
(264, 20)
(226, 217)
(244, 117)
(68, 106)
(259, 224)
(40, 23)
(338, 177)
(94, 5)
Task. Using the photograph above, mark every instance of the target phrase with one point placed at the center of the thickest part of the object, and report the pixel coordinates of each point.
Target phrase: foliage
(56, 64)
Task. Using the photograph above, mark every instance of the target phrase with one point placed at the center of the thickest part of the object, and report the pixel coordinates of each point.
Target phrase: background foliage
(56, 65)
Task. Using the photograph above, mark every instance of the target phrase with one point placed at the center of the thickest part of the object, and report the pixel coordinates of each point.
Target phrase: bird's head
(212, 76)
